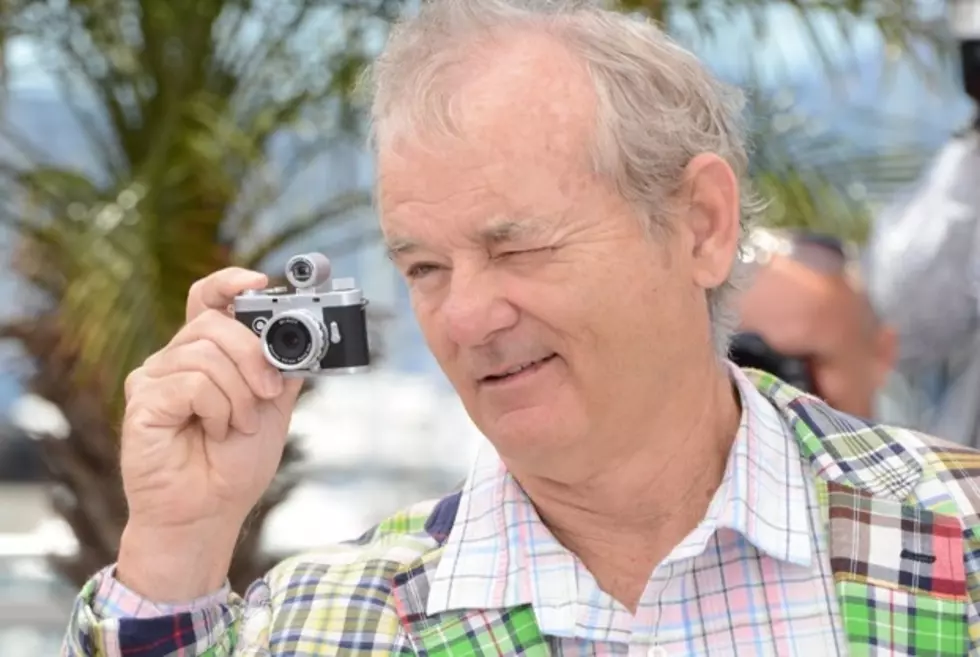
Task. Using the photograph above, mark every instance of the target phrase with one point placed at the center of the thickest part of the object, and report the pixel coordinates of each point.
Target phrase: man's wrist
(174, 566)
(113, 599)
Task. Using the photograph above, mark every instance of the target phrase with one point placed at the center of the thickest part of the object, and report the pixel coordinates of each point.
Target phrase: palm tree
(197, 114)
(185, 104)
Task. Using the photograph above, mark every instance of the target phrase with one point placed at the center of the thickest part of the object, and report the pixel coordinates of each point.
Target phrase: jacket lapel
(464, 632)
(898, 568)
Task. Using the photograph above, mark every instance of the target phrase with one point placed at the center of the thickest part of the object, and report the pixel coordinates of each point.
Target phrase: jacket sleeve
(109, 620)
(924, 258)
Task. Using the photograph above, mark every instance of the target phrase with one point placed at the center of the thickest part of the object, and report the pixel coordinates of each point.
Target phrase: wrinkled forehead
(523, 114)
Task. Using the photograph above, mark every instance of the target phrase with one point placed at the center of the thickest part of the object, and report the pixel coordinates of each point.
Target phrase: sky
(782, 57)
(785, 49)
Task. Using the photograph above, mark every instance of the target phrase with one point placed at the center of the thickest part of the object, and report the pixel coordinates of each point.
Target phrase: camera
(964, 23)
(751, 351)
(970, 61)
(320, 329)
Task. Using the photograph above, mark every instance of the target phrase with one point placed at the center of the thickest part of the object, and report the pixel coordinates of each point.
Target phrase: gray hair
(658, 105)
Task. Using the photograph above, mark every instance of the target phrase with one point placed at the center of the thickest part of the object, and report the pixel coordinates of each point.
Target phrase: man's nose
(475, 309)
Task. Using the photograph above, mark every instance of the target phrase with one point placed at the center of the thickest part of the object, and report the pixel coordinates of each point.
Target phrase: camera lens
(294, 341)
(289, 340)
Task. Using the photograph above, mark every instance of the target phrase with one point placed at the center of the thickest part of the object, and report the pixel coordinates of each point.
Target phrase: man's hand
(204, 430)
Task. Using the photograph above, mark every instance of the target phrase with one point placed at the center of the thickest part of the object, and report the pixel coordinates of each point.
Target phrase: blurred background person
(924, 270)
(806, 316)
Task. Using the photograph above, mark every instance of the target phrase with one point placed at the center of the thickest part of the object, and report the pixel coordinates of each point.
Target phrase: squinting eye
(522, 252)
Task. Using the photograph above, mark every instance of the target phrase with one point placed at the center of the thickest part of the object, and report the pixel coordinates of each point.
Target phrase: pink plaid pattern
(753, 578)
(113, 600)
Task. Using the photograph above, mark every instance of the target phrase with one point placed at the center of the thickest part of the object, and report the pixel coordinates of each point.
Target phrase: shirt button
(656, 651)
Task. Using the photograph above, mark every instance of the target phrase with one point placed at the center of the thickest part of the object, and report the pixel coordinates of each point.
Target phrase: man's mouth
(517, 370)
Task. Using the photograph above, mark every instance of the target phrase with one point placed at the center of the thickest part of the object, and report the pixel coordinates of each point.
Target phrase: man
(561, 192)
(807, 302)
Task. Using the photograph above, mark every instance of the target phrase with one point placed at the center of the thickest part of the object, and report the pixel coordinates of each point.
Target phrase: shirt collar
(763, 492)
(499, 554)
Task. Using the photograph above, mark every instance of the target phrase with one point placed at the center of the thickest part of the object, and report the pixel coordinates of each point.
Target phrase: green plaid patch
(882, 621)
(512, 632)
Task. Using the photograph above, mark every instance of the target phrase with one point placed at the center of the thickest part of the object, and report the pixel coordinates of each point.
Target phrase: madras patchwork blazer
(900, 510)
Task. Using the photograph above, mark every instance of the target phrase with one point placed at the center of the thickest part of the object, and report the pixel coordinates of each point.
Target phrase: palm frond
(820, 180)
(184, 104)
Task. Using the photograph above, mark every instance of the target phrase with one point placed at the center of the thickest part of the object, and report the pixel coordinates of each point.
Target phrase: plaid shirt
(897, 513)
(752, 579)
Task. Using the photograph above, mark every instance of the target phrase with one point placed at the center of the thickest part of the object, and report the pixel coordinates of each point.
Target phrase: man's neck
(636, 507)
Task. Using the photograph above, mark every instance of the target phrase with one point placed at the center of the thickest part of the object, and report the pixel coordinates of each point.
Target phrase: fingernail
(272, 383)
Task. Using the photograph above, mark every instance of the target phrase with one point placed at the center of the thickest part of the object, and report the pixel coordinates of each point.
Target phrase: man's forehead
(525, 95)
(517, 157)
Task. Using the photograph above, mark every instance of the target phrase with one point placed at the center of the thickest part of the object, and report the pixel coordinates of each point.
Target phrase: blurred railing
(34, 606)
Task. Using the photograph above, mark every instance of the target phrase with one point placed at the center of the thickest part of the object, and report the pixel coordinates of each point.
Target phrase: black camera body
(318, 330)
(970, 61)
(750, 350)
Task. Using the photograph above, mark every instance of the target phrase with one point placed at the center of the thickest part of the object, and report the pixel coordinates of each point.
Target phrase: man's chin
(526, 429)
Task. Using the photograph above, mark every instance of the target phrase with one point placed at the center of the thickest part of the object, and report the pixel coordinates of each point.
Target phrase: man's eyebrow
(510, 231)
(497, 233)
(398, 246)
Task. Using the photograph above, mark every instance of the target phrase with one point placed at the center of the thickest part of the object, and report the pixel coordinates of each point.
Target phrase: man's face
(518, 256)
(821, 317)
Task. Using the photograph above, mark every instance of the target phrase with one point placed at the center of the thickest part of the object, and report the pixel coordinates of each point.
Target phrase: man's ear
(710, 213)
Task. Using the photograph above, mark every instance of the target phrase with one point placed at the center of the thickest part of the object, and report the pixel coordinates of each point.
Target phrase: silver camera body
(320, 329)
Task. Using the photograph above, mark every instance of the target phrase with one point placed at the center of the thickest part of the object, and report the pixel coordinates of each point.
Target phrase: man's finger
(238, 343)
(219, 289)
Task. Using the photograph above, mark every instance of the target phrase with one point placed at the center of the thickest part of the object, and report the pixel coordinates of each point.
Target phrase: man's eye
(521, 252)
(420, 270)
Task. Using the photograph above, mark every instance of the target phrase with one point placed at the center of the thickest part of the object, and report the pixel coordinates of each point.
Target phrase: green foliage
(817, 181)
(194, 93)
(813, 178)
(182, 103)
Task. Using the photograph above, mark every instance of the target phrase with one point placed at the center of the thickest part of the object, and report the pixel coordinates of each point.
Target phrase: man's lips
(515, 369)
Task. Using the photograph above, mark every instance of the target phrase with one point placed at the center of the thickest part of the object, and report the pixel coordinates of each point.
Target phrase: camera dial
(308, 271)
(295, 340)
